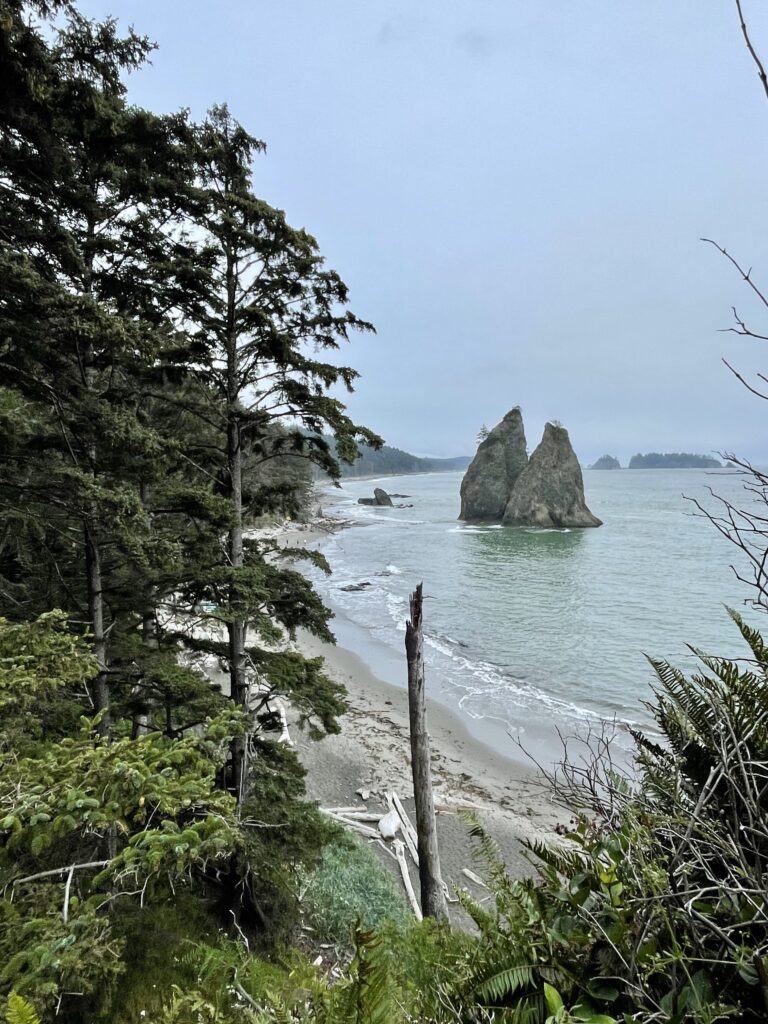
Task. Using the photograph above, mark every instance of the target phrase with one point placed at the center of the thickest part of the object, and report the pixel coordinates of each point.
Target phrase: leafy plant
(19, 1011)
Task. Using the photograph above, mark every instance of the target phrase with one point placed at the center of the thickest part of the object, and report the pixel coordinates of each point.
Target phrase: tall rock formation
(499, 461)
(550, 490)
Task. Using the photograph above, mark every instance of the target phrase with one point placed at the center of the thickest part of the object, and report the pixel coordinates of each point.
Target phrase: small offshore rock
(380, 498)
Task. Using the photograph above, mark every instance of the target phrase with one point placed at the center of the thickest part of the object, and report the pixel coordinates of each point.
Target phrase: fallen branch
(61, 871)
(355, 826)
(360, 815)
(65, 908)
(473, 877)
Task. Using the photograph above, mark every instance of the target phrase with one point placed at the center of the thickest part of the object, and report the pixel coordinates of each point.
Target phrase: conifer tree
(94, 258)
(273, 309)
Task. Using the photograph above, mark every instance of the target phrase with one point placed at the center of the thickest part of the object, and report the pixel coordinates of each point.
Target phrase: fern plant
(19, 1011)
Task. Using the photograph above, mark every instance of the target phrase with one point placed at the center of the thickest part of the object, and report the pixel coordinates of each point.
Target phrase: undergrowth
(350, 888)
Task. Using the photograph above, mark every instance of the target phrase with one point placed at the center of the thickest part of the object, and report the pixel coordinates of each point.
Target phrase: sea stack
(550, 490)
(492, 474)
(502, 485)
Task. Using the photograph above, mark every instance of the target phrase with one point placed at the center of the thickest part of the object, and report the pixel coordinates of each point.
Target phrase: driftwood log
(400, 854)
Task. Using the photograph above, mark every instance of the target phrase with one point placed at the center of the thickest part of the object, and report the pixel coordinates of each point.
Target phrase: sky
(515, 194)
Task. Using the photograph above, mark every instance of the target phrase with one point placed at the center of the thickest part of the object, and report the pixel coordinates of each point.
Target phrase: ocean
(534, 633)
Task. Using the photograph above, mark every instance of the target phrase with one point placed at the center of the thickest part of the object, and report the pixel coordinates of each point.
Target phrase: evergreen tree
(272, 306)
(94, 258)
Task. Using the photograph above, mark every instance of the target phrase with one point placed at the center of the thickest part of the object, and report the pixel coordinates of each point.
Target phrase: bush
(350, 887)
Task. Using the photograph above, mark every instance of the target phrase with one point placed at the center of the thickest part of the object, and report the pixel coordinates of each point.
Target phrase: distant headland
(673, 460)
(388, 461)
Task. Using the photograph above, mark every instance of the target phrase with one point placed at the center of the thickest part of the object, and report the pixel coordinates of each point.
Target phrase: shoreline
(371, 755)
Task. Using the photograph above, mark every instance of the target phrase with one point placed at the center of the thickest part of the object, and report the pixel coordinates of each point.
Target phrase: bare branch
(752, 52)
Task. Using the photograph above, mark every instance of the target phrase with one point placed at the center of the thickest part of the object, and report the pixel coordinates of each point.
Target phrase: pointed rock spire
(550, 490)
(500, 459)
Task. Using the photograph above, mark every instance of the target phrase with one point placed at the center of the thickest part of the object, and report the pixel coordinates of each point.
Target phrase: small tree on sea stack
(432, 896)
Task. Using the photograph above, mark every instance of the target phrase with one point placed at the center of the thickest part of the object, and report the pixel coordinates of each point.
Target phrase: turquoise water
(539, 630)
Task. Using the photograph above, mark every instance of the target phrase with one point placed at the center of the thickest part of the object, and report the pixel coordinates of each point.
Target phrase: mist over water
(539, 629)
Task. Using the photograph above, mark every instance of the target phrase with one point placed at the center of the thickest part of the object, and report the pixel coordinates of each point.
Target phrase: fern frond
(566, 861)
(497, 985)
(373, 997)
(752, 637)
(19, 1011)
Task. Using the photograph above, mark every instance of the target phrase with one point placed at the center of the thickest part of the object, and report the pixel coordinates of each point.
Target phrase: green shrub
(348, 887)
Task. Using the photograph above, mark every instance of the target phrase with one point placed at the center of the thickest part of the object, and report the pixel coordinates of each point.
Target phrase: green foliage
(348, 887)
(19, 1011)
(156, 942)
(43, 670)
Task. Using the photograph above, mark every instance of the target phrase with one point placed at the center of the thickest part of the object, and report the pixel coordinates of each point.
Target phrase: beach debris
(409, 832)
(474, 878)
(400, 854)
(356, 826)
(363, 816)
(386, 849)
(390, 824)
(364, 794)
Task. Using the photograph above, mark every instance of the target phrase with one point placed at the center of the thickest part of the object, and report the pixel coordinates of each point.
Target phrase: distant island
(673, 460)
(606, 462)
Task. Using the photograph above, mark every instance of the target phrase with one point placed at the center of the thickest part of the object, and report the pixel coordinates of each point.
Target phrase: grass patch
(350, 885)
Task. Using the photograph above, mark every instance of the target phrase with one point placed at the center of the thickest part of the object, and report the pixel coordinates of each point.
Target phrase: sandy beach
(371, 755)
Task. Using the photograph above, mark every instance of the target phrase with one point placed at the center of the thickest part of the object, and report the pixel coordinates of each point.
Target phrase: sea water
(530, 633)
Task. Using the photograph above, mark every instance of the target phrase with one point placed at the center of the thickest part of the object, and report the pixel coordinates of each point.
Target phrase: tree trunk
(100, 686)
(237, 625)
(433, 902)
(149, 630)
(94, 582)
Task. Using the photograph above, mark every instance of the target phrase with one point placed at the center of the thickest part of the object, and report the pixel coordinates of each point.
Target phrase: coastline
(371, 754)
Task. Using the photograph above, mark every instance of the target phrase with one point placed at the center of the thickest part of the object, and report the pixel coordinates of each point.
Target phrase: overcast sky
(514, 193)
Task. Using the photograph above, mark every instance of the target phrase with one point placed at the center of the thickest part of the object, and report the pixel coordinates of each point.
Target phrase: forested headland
(168, 372)
(674, 460)
(387, 461)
